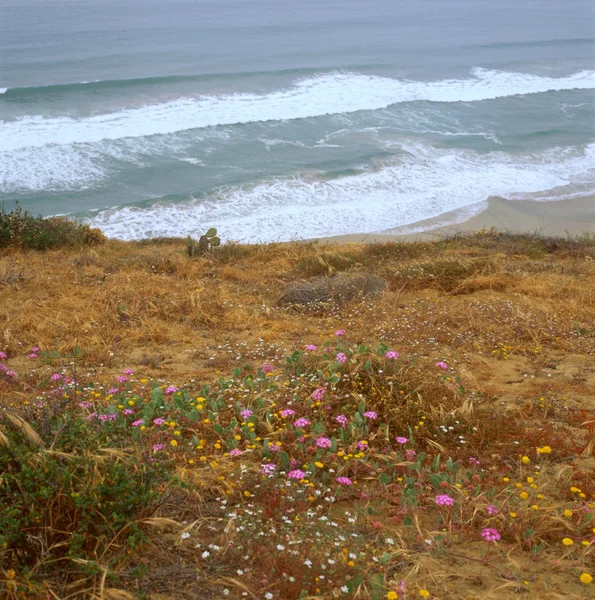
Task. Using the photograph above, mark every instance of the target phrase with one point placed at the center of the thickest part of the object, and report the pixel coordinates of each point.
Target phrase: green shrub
(19, 228)
(63, 496)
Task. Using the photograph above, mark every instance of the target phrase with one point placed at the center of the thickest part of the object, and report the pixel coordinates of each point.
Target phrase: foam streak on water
(334, 93)
(425, 184)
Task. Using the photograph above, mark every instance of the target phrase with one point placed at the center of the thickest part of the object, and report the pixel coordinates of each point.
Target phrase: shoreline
(561, 218)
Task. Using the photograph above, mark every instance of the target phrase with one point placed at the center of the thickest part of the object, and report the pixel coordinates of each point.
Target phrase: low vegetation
(172, 428)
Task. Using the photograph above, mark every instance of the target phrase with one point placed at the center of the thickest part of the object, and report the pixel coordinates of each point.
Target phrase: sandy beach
(568, 217)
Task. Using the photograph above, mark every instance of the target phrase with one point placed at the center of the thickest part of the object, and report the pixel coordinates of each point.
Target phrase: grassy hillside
(170, 429)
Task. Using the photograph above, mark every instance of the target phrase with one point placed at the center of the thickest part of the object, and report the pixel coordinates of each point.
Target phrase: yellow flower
(247, 494)
(568, 513)
(530, 480)
(392, 596)
(586, 578)
(525, 460)
(217, 445)
(535, 507)
(544, 450)
(518, 485)
(513, 515)
(575, 490)
(505, 479)
(424, 593)
(567, 541)
(319, 464)
(524, 495)
(351, 564)
(174, 442)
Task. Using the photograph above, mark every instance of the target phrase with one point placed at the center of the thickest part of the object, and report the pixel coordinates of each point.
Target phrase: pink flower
(268, 469)
(121, 379)
(235, 452)
(172, 389)
(361, 446)
(128, 372)
(266, 368)
(492, 510)
(490, 535)
(340, 332)
(444, 500)
(302, 422)
(56, 377)
(341, 358)
(392, 355)
(442, 365)
(287, 412)
(32, 355)
(36, 349)
(318, 393)
(344, 481)
(159, 421)
(370, 414)
(402, 440)
(138, 423)
(246, 413)
(342, 420)
(85, 404)
(410, 454)
(324, 442)
(474, 462)
(311, 347)
(296, 474)
(113, 391)
(157, 447)
(3, 356)
(127, 411)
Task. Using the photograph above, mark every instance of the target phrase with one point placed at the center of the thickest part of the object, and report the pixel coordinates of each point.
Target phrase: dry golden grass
(514, 314)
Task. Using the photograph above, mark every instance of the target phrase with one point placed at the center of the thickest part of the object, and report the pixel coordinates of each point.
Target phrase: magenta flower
(311, 347)
(370, 414)
(318, 393)
(444, 500)
(127, 411)
(340, 332)
(341, 358)
(10, 373)
(121, 379)
(172, 389)
(138, 423)
(490, 535)
(392, 355)
(85, 404)
(246, 413)
(159, 421)
(128, 372)
(342, 420)
(56, 377)
(324, 442)
(287, 412)
(157, 447)
(474, 462)
(410, 454)
(3, 356)
(268, 470)
(361, 446)
(402, 440)
(442, 365)
(113, 391)
(266, 368)
(492, 510)
(344, 481)
(32, 355)
(302, 422)
(235, 452)
(296, 474)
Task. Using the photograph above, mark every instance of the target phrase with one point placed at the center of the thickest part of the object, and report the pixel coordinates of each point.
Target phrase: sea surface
(284, 119)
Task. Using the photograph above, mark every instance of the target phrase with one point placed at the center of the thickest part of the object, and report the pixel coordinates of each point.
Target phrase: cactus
(205, 243)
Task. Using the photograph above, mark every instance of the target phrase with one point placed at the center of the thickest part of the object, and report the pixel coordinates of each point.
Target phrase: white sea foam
(3, 90)
(426, 183)
(334, 93)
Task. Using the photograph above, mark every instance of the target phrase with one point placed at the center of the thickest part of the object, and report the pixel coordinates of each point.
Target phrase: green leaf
(283, 460)
(211, 232)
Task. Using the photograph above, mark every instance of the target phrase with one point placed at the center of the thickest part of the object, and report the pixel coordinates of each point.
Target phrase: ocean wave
(424, 183)
(329, 94)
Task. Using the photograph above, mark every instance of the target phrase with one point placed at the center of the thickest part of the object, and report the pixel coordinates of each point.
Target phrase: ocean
(292, 119)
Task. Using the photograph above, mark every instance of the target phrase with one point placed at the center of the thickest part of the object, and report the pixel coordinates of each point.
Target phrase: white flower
(268, 596)
(206, 554)
(240, 572)
(345, 589)
(280, 547)
(308, 562)
(390, 541)
(185, 535)
(226, 592)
